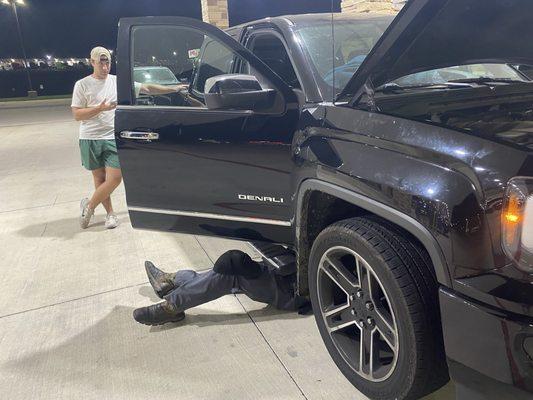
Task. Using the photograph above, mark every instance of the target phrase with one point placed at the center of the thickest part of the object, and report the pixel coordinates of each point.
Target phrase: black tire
(399, 270)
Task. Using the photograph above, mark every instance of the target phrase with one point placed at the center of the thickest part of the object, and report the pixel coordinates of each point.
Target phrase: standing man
(93, 103)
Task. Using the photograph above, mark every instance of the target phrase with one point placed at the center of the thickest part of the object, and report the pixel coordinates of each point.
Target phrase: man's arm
(154, 89)
(82, 114)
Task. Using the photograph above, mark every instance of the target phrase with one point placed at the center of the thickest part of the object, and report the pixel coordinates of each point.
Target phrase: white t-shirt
(90, 92)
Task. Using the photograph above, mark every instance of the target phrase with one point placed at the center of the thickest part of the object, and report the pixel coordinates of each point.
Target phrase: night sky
(70, 28)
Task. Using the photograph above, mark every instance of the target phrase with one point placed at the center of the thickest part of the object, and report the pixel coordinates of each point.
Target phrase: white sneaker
(111, 221)
(85, 213)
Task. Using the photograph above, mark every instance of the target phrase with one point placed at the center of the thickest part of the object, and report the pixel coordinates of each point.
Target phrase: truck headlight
(517, 222)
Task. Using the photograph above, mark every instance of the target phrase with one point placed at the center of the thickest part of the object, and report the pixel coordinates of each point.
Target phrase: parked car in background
(393, 159)
(157, 75)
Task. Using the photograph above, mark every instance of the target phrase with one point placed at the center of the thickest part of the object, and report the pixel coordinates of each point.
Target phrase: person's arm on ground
(82, 114)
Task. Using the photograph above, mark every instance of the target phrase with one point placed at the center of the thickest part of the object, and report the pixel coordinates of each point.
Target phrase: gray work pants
(193, 289)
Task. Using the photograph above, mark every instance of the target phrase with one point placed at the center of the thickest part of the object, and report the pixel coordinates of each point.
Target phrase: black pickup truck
(393, 158)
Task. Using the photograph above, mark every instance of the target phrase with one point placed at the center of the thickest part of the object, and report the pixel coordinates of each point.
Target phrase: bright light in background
(17, 2)
(111, 51)
(174, 53)
(48, 57)
(12, 60)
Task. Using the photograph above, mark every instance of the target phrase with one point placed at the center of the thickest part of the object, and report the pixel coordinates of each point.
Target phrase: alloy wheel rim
(357, 314)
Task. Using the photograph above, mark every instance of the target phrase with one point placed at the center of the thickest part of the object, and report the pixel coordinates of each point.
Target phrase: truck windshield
(462, 73)
(353, 39)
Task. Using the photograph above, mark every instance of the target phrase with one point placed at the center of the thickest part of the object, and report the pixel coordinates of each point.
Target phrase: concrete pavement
(66, 296)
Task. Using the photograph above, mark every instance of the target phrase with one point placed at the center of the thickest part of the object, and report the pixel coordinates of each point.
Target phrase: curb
(7, 105)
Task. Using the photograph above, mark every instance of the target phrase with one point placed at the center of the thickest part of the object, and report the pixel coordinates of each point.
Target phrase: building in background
(216, 12)
(381, 6)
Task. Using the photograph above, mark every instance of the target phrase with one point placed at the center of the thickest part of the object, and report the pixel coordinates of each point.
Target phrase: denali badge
(266, 199)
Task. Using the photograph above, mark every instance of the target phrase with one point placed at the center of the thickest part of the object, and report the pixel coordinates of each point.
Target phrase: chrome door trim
(211, 216)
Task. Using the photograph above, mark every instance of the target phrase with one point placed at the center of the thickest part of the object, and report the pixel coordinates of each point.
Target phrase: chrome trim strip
(211, 216)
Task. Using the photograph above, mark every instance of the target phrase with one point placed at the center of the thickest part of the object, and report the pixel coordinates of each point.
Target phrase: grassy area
(60, 96)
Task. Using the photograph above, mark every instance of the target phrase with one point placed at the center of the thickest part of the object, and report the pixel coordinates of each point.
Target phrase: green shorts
(98, 154)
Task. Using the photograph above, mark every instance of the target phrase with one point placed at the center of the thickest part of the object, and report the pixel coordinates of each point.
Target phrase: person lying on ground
(233, 272)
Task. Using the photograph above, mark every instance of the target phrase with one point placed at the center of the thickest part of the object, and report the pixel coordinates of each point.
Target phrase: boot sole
(180, 318)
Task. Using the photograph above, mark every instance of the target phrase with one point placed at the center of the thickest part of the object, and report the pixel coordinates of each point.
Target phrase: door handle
(132, 135)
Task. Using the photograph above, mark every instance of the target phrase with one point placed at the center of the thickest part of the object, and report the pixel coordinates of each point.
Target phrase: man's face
(101, 67)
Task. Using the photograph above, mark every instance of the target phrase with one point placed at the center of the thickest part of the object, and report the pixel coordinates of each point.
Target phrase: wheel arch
(362, 205)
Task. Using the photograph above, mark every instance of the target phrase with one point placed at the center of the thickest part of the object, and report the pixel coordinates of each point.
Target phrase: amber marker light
(516, 219)
(513, 213)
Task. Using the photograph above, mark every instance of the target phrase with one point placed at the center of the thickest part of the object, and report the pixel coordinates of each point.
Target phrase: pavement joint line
(37, 123)
(44, 230)
(261, 333)
(27, 208)
(202, 247)
(272, 349)
(72, 300)
(41, 206)
(85, 297)
(65, 202)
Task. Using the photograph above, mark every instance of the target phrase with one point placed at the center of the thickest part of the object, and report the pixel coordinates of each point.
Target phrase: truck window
(163, 57)
(270, 49)
(215, 59)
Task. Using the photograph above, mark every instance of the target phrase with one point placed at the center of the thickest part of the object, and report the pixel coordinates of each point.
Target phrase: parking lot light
(13, 4)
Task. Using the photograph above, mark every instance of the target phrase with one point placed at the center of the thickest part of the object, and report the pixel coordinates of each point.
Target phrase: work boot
(161, 282)
(157, 314)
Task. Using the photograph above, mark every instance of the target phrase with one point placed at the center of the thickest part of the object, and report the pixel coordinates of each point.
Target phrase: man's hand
(180, 87)
(83, 114)
(107, 106)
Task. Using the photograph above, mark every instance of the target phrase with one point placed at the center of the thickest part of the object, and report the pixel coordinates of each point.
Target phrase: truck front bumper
(489, 351)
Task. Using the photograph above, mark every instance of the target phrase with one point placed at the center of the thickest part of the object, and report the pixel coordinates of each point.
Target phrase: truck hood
(431, 34)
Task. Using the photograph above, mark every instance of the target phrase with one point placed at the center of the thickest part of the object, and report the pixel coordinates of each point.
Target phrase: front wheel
(376, 306)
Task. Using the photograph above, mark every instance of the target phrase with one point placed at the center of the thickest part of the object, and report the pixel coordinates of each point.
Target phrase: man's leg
(113, 177)
(194, 289)
(99, 179)
(234, 272)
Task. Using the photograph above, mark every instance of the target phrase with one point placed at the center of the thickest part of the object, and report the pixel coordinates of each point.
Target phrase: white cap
(98, 52)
